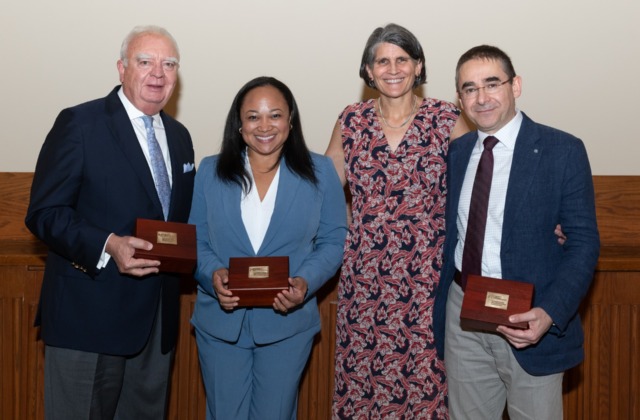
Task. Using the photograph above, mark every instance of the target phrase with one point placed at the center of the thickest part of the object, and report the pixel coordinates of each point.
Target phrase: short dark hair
(396, 35)
(486, 52)
(231, 166)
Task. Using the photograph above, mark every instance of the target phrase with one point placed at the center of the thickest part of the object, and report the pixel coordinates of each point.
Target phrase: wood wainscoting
(605, 386)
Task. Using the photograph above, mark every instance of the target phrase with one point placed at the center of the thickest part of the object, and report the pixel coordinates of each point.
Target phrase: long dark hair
(231, 166)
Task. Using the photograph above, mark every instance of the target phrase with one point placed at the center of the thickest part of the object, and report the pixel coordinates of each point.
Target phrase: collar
(132, 111)
(507, 135)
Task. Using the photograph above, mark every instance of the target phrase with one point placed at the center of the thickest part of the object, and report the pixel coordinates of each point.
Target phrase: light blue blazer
(308, 225)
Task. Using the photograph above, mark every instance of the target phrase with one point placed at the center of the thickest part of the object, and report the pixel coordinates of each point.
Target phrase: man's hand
(539, 323)
(122, 248)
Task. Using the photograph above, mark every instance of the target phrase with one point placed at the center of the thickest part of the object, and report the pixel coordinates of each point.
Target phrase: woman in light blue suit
(264, 195)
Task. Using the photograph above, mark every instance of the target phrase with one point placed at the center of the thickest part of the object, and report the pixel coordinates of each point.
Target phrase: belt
(457, 277)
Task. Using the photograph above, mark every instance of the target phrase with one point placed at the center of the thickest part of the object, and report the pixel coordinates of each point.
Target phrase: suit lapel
(526, 158)
(287, 188)
(127, 141)
(176, 155)
(228, 196)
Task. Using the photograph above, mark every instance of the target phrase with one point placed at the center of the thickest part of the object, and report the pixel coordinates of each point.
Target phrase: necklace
(413, 111)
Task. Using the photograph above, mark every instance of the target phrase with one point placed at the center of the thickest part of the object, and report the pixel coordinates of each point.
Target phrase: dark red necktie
(477, 222)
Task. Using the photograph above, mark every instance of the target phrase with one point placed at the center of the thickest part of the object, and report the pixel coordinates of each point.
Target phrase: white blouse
(256, 214)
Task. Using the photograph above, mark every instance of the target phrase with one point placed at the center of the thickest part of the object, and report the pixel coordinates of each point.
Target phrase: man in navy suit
(541, 178)
(109, 321)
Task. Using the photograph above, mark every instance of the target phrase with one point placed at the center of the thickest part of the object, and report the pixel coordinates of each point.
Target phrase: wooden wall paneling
(7, 353)
(634, 365)
(15, 188)
(21, 353)
(316, 385)
(21, 269)
(624, 300)
(33, 361)
(605, 386)
(618, 209)
(187, 398)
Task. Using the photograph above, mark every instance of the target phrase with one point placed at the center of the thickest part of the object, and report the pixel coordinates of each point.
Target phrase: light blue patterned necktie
(158, 166)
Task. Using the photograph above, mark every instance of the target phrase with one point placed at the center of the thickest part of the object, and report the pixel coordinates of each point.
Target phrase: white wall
(579, 60)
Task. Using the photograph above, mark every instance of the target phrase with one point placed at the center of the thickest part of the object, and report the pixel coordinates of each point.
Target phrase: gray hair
(396, 35)
(144, 30)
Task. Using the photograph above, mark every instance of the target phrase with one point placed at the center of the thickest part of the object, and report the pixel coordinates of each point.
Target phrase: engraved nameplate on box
(174, 244)
(257, 280)
(497, 300)
(488, 302)
(169, 238)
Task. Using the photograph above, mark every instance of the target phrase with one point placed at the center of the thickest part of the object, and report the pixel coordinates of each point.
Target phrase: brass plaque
(168, 238)
(259, 272)
(497, 300)
(488, 302)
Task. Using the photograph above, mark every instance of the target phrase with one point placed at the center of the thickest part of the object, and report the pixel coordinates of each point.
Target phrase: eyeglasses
(471, 92)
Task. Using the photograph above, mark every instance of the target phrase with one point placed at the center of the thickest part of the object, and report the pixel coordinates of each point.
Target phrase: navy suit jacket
(91, 180)
(308, 225)
(550, 183)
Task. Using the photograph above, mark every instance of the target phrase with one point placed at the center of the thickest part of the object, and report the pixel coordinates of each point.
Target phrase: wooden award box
(174, 244)
(488, 302)
(257, 280)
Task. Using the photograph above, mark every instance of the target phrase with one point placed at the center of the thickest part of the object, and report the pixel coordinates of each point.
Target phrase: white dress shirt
(256, 214)
(135, 115)
(502, 157)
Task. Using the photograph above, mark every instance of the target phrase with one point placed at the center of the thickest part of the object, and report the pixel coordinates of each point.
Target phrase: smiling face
(265, 122)
(393, 71)
(151, 72)
(489, 112)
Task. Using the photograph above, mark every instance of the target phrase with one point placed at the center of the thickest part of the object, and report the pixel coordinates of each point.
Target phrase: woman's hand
(562, 238)
(221, 286)
(292, 297)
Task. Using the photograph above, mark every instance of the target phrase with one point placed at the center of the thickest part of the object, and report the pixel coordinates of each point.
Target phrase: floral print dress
(386, 362)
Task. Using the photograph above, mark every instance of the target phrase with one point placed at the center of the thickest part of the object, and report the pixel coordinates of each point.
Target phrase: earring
(240, 130)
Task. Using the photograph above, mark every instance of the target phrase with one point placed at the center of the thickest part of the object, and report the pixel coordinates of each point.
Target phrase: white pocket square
(188, 167)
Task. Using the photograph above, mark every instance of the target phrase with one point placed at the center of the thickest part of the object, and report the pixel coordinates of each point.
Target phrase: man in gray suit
(540, 178)
(110, 321)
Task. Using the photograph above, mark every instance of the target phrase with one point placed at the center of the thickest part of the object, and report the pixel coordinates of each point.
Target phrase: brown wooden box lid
(257, 280)
(174, 244)
(488, 302)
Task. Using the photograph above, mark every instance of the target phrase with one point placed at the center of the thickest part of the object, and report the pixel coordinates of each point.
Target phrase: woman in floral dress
(392, 153)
